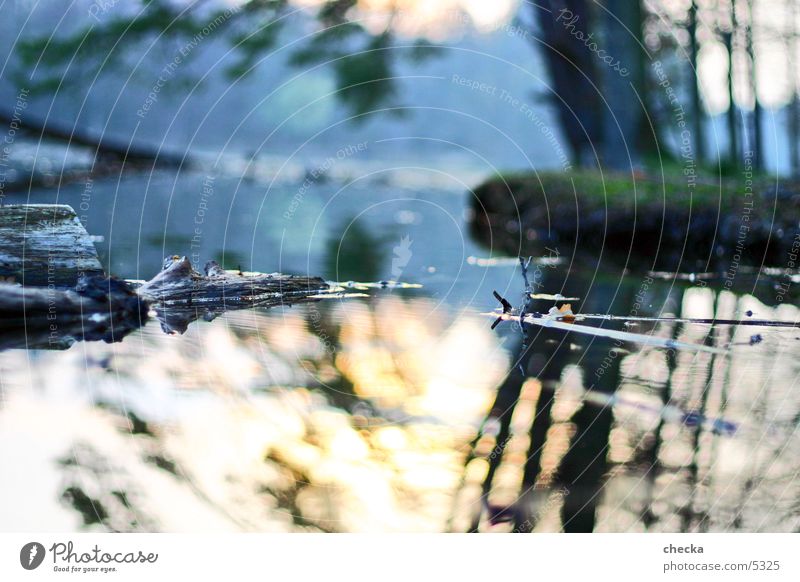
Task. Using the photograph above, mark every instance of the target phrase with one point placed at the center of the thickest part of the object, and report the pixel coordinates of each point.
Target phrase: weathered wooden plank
(45, 244)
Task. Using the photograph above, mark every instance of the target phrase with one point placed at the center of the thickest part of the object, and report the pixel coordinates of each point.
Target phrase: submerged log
(181, 295)
(65, 297)
(48, 318)
(45, 244)
(108, 309)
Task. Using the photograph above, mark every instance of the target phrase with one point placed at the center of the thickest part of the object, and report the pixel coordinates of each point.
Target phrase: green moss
(622, 191)
(689, 220)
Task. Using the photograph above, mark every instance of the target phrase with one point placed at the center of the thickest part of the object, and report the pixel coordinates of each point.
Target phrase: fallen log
(181, 295)
(105, 147)
(49, 318)
(108, 309)
(54, 291)
(178, 284)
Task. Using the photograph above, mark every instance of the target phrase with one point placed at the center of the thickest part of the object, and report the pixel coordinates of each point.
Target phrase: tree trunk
(731, 116)
(757, 141)
(623, 84)
(573, 74)
(794, 104)
(697, 107)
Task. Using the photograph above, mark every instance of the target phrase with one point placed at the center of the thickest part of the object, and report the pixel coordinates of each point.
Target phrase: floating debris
(376, 285)
(556, 322)
(697, 321)
(563, 313)
(552, 297)
(513, 261)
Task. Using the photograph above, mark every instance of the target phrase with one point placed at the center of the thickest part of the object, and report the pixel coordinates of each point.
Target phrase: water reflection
(321, 420)
(362, 416)
(403, 411)
(604, 437)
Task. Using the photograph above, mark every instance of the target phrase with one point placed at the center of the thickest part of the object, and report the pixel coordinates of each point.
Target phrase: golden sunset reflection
(357, 416)
(238, 414)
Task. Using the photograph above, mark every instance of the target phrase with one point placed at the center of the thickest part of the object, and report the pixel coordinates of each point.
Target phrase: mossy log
(641, 221)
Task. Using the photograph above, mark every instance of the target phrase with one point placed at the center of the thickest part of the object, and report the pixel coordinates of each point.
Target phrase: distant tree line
(611, 105)
(587, 77)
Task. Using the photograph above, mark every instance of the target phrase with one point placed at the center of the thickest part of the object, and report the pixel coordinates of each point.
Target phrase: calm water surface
(403, 411)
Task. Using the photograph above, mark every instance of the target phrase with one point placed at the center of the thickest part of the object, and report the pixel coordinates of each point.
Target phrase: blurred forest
(629, 82)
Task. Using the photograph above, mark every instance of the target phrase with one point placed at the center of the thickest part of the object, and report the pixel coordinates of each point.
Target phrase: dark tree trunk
(622, 84)
(733, 140)
(794, 104)
(757, 141)
(731, 115)
(573, 74)
(697, 107)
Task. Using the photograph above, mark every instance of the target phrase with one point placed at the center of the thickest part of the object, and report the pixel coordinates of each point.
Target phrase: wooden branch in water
(108, 309)
(66, 297)
(181, 295)
(178, 284)
(45, 244)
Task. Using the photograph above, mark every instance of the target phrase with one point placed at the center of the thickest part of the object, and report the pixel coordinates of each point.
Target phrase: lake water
(402, 411)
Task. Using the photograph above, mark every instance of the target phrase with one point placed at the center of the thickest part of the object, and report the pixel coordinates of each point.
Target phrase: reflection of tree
(356, 254)
(581, 469)
(547, 367)
(633, 452)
